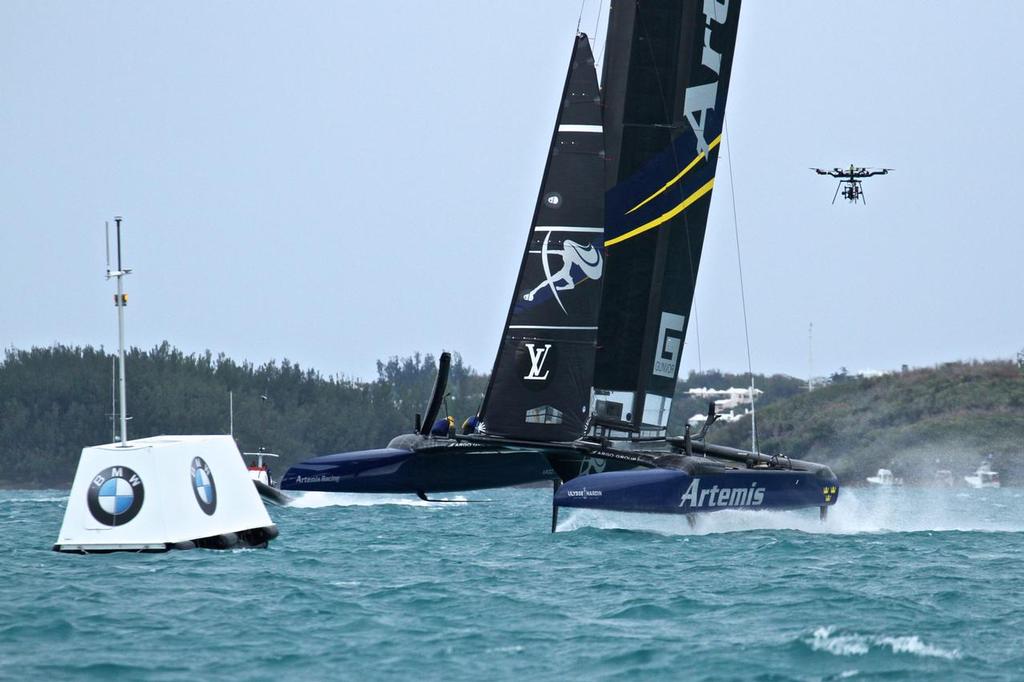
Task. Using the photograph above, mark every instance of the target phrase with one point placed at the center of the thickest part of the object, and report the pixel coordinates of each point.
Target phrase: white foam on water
(857, 511)
(839, 645)
(315, 500)
(63, 498)
(855, 644)
(515, 649)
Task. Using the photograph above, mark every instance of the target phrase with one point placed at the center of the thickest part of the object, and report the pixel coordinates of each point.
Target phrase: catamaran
(586, 371)
(538, 398)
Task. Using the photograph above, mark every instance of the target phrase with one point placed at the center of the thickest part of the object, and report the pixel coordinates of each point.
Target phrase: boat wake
(856, 512)
(316, 500)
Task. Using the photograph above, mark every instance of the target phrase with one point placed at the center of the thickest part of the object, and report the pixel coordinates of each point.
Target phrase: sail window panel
(656, 410)
(609, 410)
(545, 414)
(616, 405)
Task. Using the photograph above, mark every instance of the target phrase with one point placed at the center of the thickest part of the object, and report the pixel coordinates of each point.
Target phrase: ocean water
(898, 584)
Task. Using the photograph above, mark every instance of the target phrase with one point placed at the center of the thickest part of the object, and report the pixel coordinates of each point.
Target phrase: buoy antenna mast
(120, 301)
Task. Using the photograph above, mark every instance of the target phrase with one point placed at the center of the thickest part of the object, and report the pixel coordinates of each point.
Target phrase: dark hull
(257, 538)
(449, 467)
(671, 491)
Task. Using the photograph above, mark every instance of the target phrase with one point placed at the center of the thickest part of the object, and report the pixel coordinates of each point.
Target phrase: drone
(850, 181)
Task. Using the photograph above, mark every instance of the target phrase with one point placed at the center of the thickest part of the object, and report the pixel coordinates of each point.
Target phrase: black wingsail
(540, 385)
(666, 75)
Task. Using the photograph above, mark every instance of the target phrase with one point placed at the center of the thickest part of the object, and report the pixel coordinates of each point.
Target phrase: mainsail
(540, 385)
(666, 76)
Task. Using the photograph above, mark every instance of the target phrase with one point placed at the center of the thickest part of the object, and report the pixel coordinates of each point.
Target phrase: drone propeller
(868, 172)
(835, 172)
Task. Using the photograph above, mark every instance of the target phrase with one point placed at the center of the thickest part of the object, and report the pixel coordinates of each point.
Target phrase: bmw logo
(203, 486)
(115, 496)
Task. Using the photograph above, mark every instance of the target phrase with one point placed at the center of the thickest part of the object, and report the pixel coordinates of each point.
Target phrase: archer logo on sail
(700, 100)
(586, 258)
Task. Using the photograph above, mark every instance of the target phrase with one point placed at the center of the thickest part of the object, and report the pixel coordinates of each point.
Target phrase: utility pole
(810, 357)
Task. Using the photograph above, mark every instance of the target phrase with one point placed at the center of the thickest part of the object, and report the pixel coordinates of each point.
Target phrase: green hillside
(948, 417)
(54, 401)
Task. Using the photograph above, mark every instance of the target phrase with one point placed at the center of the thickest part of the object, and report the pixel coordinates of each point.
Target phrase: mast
(120, 301)
(666, 75)
(113, 399)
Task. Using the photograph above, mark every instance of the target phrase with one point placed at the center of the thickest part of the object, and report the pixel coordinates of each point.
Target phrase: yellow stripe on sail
(664, 217)
(689, 167)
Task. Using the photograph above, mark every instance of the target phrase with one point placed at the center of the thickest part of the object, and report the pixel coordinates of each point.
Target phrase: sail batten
(540, 384)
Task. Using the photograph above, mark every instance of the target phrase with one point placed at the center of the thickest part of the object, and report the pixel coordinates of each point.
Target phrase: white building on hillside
(731, 404)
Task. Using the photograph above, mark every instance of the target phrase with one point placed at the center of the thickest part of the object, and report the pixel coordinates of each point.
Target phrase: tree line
(54, 401)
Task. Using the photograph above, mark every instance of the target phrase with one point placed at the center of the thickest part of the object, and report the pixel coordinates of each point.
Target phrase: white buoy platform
(161, 493)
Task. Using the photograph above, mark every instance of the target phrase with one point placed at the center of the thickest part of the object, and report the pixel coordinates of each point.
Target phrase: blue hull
(670, 491)
(403, 470)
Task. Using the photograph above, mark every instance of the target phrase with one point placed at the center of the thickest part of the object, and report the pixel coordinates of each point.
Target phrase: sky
(341, 182)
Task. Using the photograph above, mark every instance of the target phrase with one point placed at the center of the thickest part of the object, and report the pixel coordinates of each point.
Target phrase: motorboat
(983, 477)
(258, 469)
(884, 477)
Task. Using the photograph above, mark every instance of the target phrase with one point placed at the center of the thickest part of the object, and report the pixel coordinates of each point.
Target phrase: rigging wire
(693, 281)
(599, 55)
(743, 296)
(696, 331)
(579, 21)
